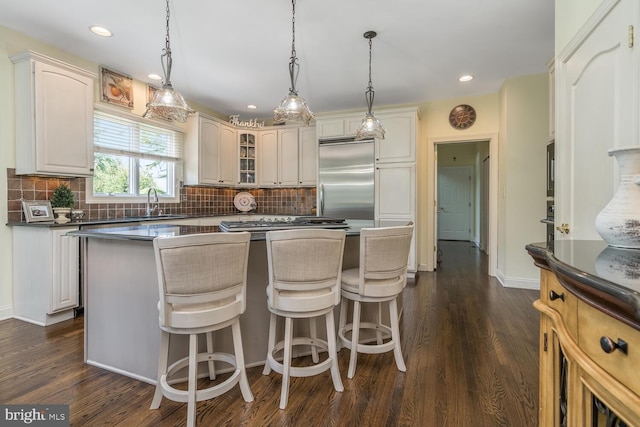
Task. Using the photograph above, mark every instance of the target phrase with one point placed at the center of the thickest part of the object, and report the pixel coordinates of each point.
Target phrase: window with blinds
(132, 156)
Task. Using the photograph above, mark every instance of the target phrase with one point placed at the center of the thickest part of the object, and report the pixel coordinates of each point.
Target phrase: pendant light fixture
(293, 107)
(370, 126)
(167, 103)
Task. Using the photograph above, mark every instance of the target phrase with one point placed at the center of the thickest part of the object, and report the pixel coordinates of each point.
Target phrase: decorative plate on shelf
(244, 202)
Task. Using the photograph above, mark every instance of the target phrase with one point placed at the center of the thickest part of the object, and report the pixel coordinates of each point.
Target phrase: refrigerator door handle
(321, 198)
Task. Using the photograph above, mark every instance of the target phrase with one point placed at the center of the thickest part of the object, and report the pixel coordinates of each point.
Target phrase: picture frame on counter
(37, 210)
(116, 88)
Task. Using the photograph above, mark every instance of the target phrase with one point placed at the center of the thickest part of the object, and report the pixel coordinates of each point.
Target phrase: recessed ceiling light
(252, 107)
(100, 31)
(154, 76)
(466, 78)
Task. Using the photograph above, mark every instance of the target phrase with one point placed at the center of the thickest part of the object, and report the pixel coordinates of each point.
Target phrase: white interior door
(454, 203)
(597, 110)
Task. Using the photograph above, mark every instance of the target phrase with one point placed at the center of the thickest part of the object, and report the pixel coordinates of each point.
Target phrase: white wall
(522, 186)
(435, 126)
(571, 15)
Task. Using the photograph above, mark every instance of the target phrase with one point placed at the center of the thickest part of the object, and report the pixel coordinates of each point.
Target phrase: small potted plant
(62, 201)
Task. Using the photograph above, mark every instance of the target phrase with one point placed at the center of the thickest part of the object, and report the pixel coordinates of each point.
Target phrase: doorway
(454, 203)
(484, 192)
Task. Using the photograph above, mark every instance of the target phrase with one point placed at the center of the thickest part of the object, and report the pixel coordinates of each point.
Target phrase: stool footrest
(301, 371)
(208, 393)
(364, 347)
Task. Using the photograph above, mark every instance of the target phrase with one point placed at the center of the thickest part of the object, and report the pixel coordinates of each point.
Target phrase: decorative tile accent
(194, 200)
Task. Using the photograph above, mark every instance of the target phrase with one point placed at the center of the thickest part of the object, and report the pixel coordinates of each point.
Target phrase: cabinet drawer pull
(609, 346)
(553, 295)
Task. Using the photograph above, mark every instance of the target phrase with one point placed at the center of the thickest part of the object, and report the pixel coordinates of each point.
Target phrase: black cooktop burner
(283, 224)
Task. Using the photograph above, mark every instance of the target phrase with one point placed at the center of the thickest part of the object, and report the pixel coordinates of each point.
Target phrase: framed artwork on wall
(116, 88)
(37, 210)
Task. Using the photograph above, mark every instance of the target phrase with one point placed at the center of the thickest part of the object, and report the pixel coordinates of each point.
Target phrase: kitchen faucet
(149, 210)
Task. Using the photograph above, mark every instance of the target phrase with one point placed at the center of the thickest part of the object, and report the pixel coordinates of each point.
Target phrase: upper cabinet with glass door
(247, 158)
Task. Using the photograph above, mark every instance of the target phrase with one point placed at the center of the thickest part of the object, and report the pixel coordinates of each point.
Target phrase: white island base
(122, 333)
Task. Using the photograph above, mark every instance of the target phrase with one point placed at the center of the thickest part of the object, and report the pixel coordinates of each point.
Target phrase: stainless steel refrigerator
(346, 179)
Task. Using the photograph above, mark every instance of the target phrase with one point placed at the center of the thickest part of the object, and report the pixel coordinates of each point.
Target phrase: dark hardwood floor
(471, 348)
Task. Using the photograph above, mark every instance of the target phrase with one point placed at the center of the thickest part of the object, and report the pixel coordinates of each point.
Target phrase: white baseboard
(423, 267)
(517, 283)
(6, 312)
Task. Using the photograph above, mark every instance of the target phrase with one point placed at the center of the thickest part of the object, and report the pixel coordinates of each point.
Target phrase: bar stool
(304, 283)
(202, 280)
(380, 277)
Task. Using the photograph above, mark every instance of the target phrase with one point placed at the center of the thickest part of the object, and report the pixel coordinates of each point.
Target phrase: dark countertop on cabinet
(605, 277)
(125, 220)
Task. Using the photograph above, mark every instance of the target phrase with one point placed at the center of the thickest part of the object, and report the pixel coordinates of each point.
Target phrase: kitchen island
(589, 333)
(120, 291)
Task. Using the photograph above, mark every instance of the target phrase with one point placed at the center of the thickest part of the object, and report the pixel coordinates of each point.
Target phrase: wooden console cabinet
(589, 334)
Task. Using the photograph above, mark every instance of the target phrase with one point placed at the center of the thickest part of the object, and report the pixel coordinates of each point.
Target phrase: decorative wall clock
(462, 116)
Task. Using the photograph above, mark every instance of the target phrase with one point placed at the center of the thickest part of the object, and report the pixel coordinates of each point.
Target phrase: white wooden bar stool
(380, 278)
(304, 283)
(202, 280)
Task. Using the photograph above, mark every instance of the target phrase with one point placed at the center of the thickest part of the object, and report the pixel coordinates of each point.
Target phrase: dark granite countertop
(144, 232)
(601, 275)
(125, 220)
(151, 231)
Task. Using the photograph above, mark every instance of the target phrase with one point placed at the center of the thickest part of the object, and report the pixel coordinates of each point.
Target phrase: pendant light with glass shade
(370, 126)
(293, 107)
(167, 103)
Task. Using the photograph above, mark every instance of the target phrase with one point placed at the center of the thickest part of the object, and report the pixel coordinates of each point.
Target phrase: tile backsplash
(194, 200)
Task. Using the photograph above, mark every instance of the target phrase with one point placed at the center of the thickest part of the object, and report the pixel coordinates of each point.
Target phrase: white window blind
(119, 135)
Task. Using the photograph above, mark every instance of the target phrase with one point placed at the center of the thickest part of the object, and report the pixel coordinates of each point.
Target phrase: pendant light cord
(369, 94)
(294, 67)
(165, 58)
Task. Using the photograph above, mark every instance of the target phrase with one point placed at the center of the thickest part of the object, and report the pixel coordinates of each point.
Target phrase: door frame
(432, 225)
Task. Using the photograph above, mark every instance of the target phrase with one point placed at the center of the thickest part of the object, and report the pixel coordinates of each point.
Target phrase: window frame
(178, 169)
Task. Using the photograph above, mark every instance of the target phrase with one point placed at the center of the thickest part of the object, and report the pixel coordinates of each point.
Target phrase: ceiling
(227, 54)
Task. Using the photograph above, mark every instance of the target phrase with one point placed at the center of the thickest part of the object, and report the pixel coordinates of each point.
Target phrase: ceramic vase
(619, 222)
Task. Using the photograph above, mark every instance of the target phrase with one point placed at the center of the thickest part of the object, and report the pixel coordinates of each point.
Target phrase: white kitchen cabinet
(395, 190)
(45, 274)
(54, 116)
(288, 157)
(211, 153)
(338, 126)
(395, 202)
(399, 144)
(268, 158)
(278, 158)
(307, 156)
(247, 158)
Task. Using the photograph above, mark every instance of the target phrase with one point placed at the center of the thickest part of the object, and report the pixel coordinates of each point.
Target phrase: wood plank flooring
(471, 348)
